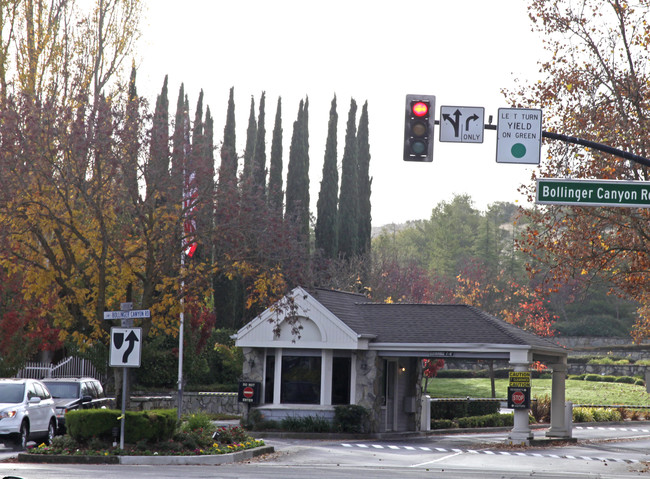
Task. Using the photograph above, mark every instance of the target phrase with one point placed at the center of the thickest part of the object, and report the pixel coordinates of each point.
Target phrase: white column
(521, 432)
(326, 377)
(277, 377)
(560, 426)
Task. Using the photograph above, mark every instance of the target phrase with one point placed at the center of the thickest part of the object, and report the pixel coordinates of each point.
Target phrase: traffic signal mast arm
(589, 144)
(597, 146)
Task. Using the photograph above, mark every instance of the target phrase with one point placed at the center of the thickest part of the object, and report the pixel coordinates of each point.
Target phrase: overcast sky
(462, 51)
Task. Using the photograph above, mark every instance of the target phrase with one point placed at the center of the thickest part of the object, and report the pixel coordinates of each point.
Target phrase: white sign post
(462, 124)
(519, 136)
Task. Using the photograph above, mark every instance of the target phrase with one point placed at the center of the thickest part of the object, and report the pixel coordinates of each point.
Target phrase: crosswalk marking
(489, 453)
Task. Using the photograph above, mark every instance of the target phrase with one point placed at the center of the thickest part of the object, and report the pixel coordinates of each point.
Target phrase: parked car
(26, 412)
(76, 393)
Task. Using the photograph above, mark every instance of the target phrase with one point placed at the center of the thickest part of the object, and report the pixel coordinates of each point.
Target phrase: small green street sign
(560, 191)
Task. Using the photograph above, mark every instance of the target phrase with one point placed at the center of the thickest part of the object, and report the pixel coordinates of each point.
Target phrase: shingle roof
(402, 323)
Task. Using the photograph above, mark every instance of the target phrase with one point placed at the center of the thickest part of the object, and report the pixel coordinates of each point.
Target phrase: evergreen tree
(349, 198)
(180, 145)
(275, 192)
(131, 142)
(365, 182)
(259, 156)
(228, 168)
(297, 203)
(327, 213)
(251, 138)
(228, 294)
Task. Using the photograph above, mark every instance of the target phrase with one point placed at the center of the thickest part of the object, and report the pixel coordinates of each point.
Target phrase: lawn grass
(578, 392)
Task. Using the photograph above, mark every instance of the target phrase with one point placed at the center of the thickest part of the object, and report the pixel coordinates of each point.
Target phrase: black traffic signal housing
(418, 127)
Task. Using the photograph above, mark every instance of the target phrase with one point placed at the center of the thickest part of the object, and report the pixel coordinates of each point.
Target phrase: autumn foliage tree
(595, 85)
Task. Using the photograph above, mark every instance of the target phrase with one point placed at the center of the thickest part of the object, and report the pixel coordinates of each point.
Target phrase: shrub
(625, 380)
(351, 418)
(256, 422)
(608, 360)
(197, 421)
(231, 435)
(488, 420)
(443, 424)
(577, 377)
(605, 414)
(154, 425)
(540, 409)
(582, 414)
(306, 424)
(456, 373)
(462, 408)
(639, 382)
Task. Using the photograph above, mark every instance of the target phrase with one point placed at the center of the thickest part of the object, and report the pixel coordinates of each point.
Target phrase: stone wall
(607, 369)
(213, 403)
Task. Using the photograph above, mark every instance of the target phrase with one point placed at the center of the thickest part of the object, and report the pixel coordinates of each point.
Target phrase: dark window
(301, 380)
(269, 379)
(98, 388)
(63, 390)
(341, 376)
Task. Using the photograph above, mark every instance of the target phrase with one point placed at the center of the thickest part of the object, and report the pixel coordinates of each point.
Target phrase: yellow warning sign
(520, 379)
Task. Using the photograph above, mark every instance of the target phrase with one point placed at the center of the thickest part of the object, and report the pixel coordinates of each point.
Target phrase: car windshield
(63, 390)
(12, 393)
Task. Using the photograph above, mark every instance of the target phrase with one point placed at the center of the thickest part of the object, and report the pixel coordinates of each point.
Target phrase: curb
(214, 460)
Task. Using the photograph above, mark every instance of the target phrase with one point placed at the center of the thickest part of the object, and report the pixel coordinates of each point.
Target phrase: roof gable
(316, 326)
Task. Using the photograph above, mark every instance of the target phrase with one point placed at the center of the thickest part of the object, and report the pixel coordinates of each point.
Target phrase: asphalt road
(620, 451)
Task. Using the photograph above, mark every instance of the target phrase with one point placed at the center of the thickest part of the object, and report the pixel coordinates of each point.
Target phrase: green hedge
(488, 420)
(152, 426)
(462, 408)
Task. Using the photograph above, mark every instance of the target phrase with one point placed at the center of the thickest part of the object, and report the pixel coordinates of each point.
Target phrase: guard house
(317, 349)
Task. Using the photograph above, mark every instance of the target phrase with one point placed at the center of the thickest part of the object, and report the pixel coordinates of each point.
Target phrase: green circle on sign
(518, 150)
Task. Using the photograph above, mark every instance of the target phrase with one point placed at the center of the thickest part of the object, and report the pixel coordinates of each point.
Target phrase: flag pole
(180, 342)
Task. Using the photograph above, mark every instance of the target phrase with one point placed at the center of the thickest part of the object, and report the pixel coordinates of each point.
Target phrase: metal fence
(66, 368)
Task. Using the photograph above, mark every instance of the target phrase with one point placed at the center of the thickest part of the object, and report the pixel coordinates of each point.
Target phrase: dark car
(76, 393)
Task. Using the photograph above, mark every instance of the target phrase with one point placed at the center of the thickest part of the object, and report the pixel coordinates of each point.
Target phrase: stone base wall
(212, 403)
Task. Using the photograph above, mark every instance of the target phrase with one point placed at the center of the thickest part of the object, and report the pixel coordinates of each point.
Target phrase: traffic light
(418, 127)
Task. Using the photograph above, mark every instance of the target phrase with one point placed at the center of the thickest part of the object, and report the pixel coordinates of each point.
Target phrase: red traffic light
(420, 108)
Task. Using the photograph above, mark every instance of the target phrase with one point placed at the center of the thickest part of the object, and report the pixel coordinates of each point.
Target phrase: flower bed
(154, 450)
(196, 436)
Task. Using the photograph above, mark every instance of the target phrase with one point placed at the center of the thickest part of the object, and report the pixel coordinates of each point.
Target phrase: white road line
(435, 460)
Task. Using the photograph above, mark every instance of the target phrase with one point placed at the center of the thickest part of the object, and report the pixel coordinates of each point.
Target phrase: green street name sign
(552, 191)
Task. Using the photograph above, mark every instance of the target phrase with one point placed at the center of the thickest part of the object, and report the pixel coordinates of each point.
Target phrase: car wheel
(23, 436)
(51, 432)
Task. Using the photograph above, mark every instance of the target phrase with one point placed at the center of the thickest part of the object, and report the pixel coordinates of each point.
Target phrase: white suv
(26, 412)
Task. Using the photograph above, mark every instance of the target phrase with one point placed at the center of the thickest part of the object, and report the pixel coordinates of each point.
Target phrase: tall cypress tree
(365, 182)
(275, 192)
(297, 204)
(131, 142)
(179, 146)
(228, 168)
(157, 172)
(259, 156)
(228, 297)
(349, 199)
(327, 214)
(251, 137)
